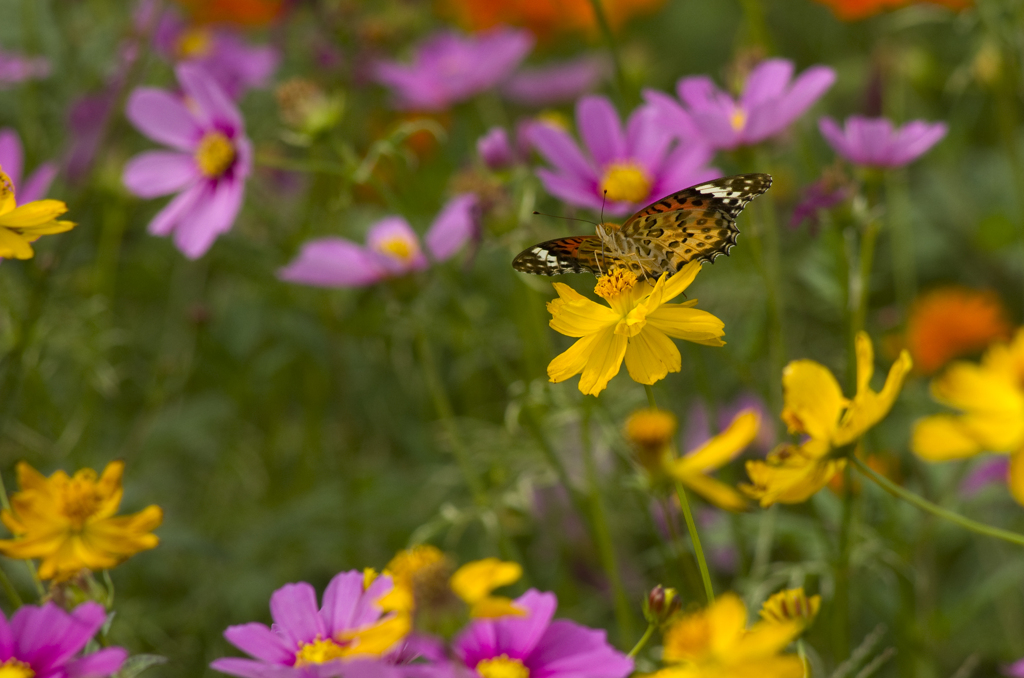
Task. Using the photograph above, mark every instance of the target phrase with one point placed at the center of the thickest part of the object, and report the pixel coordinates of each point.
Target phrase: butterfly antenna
(604, 199)
(557, 216)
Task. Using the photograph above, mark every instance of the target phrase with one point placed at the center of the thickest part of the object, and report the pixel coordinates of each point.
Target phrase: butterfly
(694, 224)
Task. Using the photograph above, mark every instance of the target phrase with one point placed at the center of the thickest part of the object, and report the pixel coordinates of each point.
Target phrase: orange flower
(950, 322)
(853, 10)
(544, 17)
(238, 12)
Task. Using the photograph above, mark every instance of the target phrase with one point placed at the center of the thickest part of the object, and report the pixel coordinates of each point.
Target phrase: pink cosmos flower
(770, 102)
(306, 642)
(495, 150)
(392, 249)
(621, 170)
(874, 142)
(450, 67)
(555, 83)
(12, 160)
(545, 648)
(15, 68)
(235, 65)
(47, 640)
(207, 167)
(821, 195)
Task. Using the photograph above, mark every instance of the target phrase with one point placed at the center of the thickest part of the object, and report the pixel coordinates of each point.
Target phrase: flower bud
(495, 150)
(306, 108)
(661, 604)
(651, 432)
(791, 605)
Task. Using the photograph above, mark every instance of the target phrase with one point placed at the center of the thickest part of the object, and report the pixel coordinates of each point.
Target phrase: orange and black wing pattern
(577, 254)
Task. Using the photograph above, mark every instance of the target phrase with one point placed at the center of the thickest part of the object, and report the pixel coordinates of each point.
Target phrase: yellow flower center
(555, 119)
(502, 667)
(80, 499)
(614, 283)
(320, 651)
(626, 181)
(738, 120)
(650, 428)
(215, 154)
(195, 42)
(12, 668)
(398, 247)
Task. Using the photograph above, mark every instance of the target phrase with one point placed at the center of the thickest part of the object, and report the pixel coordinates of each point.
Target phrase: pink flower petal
(38, 183)
(247, 668)
(560, 150)
(99, 664)
(182, 204)
(601, 130)
(163, 118)
(295, 613)
(259, 641)
(214, 107)
(155, 173)
(766, 82)
(340, 601)
(210, 218)
(569, 649)
(646, 139)
(455, 225)
(12, 158)
(333, 262)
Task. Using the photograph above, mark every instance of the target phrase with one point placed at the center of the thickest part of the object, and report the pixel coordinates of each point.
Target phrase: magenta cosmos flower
(450, 67)
(556, 83)
(44, 641)
(235, 65)
(544, 648)
(874, 142)
(345, 637)
(392, 249)
(770, 102)
(621, 170)
(12, 160)
(207, 167)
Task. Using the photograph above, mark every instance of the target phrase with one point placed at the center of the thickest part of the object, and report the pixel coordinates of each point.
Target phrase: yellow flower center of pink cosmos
(502, 667)
(556, 119)
(215, 154)
(80, 499)
(320, 651)
(614, 283)
(399, 247)
(626, 181)
(738, 119)
(195, 42)
(12, 668)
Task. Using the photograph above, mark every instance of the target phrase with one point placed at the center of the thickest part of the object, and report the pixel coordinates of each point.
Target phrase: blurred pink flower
(207, 168)
(392, 249)
(874, 142)
(770, 102)
(984, 474)
(450, 67)
(621, 170)
(495, 150)
(15, 68)
(821, 195)
(12, 161)
(235, 65)
(556, 83)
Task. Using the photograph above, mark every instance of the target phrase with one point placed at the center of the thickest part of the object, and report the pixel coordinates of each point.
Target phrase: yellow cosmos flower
(791, 605)
(24, 224)
(69, 522)
(423, 577)
(692, 469)
(815, 407)
(635, 326)
(716, 643)
(990, 397)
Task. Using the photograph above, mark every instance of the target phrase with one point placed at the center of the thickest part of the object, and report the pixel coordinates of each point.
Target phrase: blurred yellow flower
(990, 396)
(650, 430)
(635, 326)
(24, 224)
(69, 522)
(791, 605)
(815, 407)
(716, 643)
(692, 469)
(423, 577)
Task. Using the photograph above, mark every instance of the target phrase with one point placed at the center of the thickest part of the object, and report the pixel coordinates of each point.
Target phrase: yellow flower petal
(576, 316)
(678, 282)
(14, 246)
(767, 638)
(727, 619)
(869, 408)
(572, 361)
(474, 581)
(33, 214)
(48, 228)
(992, 401)
(690, 324)
(791, 482)
(813, 399)
(650, 356)
(494, 607)
(721, 448)
(603, 363)
(716, 492)
(942, 438)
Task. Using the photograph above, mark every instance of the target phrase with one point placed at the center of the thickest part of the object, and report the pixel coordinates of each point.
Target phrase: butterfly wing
(578, 254)
(695, 224)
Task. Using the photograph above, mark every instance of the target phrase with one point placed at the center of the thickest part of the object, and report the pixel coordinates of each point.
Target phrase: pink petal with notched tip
(341, 598)
(673, 117)
(646, 140)
(766, 83)
(163, 118)
(295, 613)
(257, 640)
(601, 130)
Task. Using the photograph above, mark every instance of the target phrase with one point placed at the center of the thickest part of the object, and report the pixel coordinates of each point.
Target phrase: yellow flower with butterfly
(21, 225)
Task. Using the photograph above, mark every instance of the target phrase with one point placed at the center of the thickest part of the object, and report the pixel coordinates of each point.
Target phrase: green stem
(936, 510)
(705, 575)
(862, 286)
(602, 533)
(643, 640)
(9, 590)
(613, 49)
(841, 616)
(757, 26)
(691, 526)
(5, 502)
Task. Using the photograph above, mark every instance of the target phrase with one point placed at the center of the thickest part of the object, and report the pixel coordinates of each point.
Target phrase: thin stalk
(643, 640)
(602, 533)
(936, 510)
(9, 590)
(862, 286)
(841, 615)
(691, 526)
(766, 248)
(757, 26)
(613, 49)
